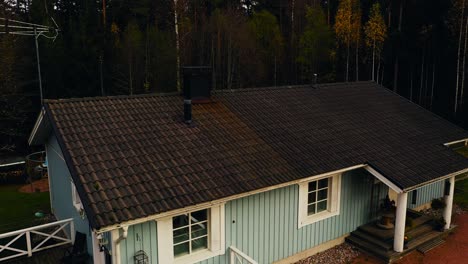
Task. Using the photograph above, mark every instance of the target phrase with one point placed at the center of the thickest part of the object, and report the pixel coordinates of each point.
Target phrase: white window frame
(333, 206)
(216, 238)
(76, 198)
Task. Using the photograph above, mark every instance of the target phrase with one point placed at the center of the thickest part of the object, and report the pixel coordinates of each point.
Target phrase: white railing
(35, 240)
(238, 257)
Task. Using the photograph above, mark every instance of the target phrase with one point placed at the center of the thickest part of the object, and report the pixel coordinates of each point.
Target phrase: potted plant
(439, 224)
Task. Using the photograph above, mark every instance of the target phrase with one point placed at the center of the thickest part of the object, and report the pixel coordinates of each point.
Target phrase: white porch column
(399, 236)
(449, 204)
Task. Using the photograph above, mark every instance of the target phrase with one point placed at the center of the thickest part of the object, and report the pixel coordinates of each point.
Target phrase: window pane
(323, 183)
(321, 206)
(322, 194)
(200, 243)
(179, 221)
(312, 186)
(181, 249)
(199, 230)
(198, 216)
(181, 235)
(311, 209)
(311, 198)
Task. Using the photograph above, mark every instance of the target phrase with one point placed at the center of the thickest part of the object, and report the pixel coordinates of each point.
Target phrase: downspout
(121, 237)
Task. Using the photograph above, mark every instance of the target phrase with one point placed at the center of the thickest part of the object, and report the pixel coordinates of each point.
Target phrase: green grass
(17, 209)
(461, 193)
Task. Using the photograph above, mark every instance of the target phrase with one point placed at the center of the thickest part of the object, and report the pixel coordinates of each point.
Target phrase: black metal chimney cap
(197, 83)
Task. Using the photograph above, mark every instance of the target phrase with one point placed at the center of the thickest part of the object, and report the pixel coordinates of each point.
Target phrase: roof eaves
(76, 180)
(393, 185)
(40, 130)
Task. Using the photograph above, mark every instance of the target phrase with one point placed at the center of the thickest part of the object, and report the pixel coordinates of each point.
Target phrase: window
(190, 232)
(319, 199)
(192, 236)
(76, 198)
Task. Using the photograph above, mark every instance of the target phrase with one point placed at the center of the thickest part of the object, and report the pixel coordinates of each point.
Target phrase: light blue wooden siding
(140, 237)
(60, 190)
(426, 193)
(264, 226)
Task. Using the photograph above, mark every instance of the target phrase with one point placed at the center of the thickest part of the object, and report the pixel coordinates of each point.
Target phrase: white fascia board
(456, 142)
(221, 201)
(448, 176)
(382, 178)
(39, 126)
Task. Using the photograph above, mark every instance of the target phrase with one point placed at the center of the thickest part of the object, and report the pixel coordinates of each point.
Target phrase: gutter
(116, 244)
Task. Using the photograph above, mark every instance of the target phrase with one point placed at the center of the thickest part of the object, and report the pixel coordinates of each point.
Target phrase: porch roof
(133, 156)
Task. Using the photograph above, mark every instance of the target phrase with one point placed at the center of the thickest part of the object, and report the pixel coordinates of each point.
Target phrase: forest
(416, 48)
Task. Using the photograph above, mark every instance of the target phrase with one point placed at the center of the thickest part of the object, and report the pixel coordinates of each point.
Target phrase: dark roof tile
(146, 160)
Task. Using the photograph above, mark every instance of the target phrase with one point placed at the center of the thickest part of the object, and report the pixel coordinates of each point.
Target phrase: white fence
(238, 257)
(29, 240)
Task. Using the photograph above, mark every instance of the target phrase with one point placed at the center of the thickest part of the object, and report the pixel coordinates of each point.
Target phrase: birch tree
(375, 34)
(177, 42)
(347, 26)
(459, 15)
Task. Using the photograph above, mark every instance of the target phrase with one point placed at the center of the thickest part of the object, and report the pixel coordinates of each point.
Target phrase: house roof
(133, 156)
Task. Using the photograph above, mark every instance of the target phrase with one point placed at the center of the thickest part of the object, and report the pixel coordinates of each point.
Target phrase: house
(273, 174)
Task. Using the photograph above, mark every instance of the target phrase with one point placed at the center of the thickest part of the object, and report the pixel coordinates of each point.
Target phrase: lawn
(17, 209)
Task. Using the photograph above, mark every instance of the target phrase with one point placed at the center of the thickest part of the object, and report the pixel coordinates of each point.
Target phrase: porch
(422, 235)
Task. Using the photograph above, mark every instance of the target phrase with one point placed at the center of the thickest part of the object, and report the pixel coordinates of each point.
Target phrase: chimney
(197, 88)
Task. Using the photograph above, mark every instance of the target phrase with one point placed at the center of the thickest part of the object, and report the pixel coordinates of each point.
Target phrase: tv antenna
(16, 27)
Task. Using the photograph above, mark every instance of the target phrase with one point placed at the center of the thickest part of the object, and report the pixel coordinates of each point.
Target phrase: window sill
(198, 256)
(316, 218)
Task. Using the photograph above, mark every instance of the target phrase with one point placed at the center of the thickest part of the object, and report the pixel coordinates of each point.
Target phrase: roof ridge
(110, 97)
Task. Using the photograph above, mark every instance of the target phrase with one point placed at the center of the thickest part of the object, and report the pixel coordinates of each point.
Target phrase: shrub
(437, 204)
(12, 177)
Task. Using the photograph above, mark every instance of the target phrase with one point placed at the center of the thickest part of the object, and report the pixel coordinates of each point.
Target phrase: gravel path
(343, 253)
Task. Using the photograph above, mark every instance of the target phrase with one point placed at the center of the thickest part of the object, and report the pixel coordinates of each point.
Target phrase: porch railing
(30, 240)
(239, 257)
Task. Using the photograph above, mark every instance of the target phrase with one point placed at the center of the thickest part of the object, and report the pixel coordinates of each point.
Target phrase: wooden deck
(379, 242)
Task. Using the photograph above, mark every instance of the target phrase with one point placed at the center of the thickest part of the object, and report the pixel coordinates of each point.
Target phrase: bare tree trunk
(176, 27)
(411, 84)
(213, 65)
(357, 61)
(229, 62)
(395, 73)
(103, 12)
(378, 71)
(347, 63)
(130, 75)
(422, 77)
(432, 86)
(373, 62)
(462, 87)
(275, 72)
(458, 56)
(383, 71)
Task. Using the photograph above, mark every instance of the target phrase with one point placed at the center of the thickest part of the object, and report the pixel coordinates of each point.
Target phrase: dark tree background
(114, 47)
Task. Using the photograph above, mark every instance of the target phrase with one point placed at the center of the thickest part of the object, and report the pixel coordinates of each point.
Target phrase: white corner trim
(334, 201)
(383, 179)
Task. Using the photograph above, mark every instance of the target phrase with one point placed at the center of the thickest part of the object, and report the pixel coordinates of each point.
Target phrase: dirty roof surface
(134, 156)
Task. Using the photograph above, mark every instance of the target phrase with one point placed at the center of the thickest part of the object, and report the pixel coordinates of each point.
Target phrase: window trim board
(216, 239)
(333, 201)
